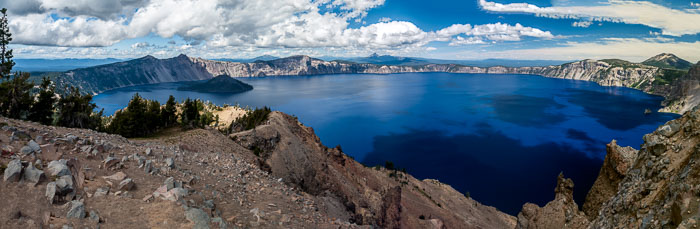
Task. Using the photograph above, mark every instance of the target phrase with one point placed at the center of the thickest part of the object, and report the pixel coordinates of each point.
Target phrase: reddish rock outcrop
(560, 213)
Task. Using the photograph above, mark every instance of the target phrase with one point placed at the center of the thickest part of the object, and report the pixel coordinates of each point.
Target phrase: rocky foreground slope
(278, 175)
(657, 186)
(147, 70)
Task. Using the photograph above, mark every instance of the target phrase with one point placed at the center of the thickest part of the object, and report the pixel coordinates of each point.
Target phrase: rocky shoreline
(679, 94)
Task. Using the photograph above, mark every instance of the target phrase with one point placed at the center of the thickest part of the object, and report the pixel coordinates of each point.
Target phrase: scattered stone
(220, 222)
(175, 194)
(149, 151)
(34, 146)
(119, 176)
(208, 204)
(94, 217)
(110, 161)
(148, 197)
(148, 166)
(198, 217)
(40, 139)
(103, 191)
(64, 184)
(169, 183)
(26, 150)
(13, 171)
(58, 168)
(51, 191)
(33, 175)
(170, 163)
(126, 184)
(77, 210)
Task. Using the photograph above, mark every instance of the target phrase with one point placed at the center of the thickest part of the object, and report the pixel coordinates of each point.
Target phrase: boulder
(169, 183)
(34, 146)
(175, 194)
(126, 184)
(58, 168)
(33, 175)
(119, 176)
(64, 184)
(51, 191)
(103, 191)
(94, 217)
(13, 171)
(170, 163)
(149, 151)
(199, 218)
(26, 150)
(77, 210)
(110, 161)
(148, 166)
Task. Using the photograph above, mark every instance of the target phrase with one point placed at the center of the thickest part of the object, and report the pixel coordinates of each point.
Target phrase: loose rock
(77, 210)
(126, 184)
(13, 171)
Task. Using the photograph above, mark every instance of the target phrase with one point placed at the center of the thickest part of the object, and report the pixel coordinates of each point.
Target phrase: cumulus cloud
(582, 24)
(673, 22)
(623, 48)
(253, 23)
(385, 19)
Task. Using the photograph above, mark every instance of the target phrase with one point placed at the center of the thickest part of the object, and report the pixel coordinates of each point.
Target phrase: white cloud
(253, 23)
(493, 32)
(673, 22)
(582, 24)
(39, 29)
(623, 48)
(385, 19)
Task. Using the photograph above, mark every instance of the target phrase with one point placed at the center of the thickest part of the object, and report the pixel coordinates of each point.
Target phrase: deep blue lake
(502, 138)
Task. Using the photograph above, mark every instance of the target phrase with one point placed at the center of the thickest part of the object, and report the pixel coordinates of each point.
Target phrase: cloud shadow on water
(617, 112)
(526, 110)
(496, 170)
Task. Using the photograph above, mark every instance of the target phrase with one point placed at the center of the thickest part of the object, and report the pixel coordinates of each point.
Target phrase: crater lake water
(502, 138)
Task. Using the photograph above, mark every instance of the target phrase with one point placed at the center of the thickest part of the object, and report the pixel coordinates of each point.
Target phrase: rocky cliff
(145, 70)
(655, 187)
(150, 70)
(277, 175)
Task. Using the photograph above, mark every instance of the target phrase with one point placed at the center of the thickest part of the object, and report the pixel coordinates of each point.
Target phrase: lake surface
(502, 138)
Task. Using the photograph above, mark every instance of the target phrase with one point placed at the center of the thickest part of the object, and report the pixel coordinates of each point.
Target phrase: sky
(443, 29)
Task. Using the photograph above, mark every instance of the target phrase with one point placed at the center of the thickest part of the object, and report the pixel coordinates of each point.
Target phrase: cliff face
(655, 187)
(146, 70)
(660, 188)
(684, 93)
(373, 196)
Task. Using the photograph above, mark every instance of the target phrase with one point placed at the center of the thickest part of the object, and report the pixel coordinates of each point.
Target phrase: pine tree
(42, 110)
(6, 62)
(76, 110)
(169, 115)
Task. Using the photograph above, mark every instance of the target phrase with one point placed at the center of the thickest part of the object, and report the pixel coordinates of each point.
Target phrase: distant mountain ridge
(59, 65)
(259, 58)
(668, 60)
(415, 61)
(148, 70)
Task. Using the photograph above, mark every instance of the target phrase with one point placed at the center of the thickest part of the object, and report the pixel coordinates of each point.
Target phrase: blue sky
(445, 29)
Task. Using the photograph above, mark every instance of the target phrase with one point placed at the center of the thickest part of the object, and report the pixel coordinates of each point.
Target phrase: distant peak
(374, 55)
(148, 57)
(182, 55)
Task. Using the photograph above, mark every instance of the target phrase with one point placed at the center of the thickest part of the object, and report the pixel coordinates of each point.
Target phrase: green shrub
(251, 119)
